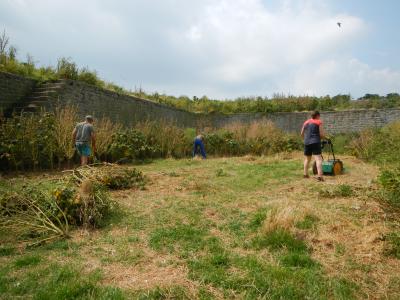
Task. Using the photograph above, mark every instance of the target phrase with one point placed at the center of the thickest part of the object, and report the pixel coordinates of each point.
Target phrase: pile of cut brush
(112, 176)
(46, 211)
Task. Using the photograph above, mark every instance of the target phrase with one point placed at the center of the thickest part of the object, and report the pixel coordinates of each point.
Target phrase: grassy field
(228, 228)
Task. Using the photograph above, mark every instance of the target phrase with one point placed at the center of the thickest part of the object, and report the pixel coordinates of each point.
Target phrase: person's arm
(74, 136)
(302, 132)
(94, 142)
(322, 132)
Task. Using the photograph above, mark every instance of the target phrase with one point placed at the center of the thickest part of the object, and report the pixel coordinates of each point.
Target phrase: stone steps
(42, 96)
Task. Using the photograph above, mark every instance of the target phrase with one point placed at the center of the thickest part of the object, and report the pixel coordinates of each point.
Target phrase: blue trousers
(199, 144)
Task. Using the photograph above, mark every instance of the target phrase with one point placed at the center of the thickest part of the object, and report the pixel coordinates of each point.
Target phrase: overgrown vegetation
(67, 69)
(382, 146)
(43, 141)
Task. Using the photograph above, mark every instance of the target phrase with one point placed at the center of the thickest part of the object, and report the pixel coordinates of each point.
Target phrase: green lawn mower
(332, 166)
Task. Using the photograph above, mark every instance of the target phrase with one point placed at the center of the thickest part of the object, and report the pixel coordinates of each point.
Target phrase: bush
(130, 144)
(378, 145)
(28, 142)
(389, 180)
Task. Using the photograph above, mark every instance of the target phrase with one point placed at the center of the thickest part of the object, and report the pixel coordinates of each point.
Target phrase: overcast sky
(219, 48)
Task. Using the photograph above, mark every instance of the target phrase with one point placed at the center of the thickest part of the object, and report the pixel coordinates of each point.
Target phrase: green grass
(55, 281)
(393, 244)
(30, 260)
(7, 250)
(205, 221)
(309, 222)
(277, 240)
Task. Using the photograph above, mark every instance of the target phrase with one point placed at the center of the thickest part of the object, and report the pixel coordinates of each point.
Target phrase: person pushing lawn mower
(312, 132)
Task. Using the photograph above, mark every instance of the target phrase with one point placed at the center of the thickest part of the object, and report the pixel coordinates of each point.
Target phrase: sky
(218, 48)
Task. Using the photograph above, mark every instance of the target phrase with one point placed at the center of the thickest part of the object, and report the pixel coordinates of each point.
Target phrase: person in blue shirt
(199, 145)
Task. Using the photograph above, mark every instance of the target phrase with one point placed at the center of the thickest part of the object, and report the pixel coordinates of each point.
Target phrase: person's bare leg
(84, 160)
(318, 160)
(307, 160)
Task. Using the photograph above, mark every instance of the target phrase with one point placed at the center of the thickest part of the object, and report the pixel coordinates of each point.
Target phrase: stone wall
(14, 89)
(122, 108)
(334, 121)
(129, 110)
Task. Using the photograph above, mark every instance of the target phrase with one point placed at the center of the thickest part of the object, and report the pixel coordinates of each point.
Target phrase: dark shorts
(312, 149)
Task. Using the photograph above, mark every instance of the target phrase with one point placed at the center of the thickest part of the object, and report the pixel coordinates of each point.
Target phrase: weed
(27, 261)
(163, 293)
(340, 249)
(309, 222)
(279, 239)
(298, 260)
(257, 219)
(342, 190)
(186, 236)
(220, 173)
(393, 244)
(7, 250)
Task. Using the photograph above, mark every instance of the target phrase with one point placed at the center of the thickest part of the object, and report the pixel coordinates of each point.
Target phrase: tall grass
(382, 147)
(105, 129)
(65, 120)
(40, 141)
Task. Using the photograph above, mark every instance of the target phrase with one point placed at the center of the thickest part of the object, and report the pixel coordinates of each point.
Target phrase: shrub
(130, 144)
(67, 69)
(166, 139)
(389, 180)
(378, 145)
(28, 142)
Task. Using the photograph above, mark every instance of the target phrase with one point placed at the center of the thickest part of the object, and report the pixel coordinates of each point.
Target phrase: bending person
(312, 133)
(199, 145)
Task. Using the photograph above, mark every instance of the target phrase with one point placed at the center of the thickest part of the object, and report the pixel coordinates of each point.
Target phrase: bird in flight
(339, 24)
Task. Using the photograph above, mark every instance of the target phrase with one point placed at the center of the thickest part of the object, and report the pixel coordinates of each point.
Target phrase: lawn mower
(331, 166)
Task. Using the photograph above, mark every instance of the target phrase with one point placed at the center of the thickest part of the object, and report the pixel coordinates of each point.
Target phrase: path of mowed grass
(203, 218)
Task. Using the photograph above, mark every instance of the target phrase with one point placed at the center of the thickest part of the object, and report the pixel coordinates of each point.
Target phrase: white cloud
(221, 48)
(346, 76)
